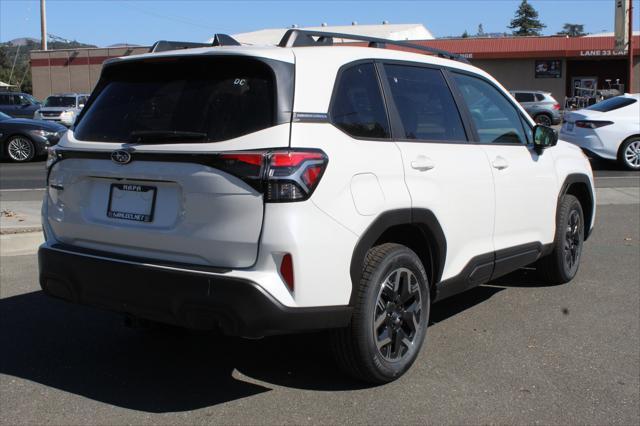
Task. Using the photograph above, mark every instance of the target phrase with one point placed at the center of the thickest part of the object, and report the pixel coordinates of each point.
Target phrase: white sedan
(609, 129)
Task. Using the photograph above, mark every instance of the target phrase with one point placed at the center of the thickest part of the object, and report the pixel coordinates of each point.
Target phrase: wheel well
(581, 191)
(417, 239)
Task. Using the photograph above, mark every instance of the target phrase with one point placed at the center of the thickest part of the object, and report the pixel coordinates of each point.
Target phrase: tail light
(556, 106)
(283, 176)
(592, 124)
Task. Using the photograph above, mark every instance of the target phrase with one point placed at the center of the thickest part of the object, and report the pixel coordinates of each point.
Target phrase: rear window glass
(203, 99)
(612, 104)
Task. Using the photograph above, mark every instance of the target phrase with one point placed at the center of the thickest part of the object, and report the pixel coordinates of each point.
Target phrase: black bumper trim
(191, 299)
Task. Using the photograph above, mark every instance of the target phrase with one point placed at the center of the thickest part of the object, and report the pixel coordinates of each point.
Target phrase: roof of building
(388, 31)
(530, 47)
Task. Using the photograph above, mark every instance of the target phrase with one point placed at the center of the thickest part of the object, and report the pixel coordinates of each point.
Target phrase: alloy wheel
(632, 154)
(398, 314)
(573, 243)
(19, 149)
(543, 120)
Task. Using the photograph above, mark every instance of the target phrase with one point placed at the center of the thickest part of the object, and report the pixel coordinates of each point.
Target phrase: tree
(465, 34)
(525, 21)
(572, 30)
(481, 32)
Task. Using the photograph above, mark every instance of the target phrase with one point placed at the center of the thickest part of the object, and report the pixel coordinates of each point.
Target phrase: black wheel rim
(398, 314)
(544, 120)
(573, 240)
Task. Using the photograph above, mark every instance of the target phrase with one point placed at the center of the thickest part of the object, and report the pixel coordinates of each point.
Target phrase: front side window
(425, 104)
(358, 108)
(496, 119)
(192, 99)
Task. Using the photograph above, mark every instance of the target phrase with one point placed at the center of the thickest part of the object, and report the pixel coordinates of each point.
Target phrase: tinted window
(6, 100)
(60, 101)
(425, 104)
(210, 99)
(524, 97)
(82, 100)
(495, 118)
(539, 97)
(358, 108)
(612, 104)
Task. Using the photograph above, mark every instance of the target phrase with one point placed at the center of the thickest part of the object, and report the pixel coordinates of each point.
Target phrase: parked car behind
(62, 108)
(609, 129)
(541, 106)
(18, 105)
(23, 139)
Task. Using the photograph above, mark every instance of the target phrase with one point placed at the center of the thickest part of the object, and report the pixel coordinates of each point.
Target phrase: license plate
(131, 202)
(570, 127)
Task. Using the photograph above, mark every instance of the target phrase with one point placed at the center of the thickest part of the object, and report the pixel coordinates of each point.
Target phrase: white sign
(622, 24)
(602, 53)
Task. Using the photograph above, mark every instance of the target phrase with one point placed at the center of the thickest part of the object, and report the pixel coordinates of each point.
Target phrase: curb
(23, 230)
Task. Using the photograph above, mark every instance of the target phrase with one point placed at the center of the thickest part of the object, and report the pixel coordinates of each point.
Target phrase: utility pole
(630, 90)
(43, 25)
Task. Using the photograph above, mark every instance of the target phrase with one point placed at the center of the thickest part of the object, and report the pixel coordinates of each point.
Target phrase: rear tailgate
(167, 197)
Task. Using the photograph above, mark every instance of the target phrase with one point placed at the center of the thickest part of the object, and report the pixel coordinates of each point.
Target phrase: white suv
(265, 190)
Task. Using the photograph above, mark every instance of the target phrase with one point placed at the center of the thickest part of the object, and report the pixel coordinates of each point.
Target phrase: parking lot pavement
(515, 351)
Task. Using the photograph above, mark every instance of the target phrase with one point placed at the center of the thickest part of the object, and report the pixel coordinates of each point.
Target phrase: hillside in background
(14, 59)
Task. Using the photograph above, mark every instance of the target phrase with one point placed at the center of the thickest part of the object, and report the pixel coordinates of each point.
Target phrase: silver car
(62, 108)
(541, 106)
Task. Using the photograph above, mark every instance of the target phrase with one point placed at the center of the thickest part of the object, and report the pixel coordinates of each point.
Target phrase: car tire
(561, 265)
(544, 120)
(20, 149)
(390, 316)
(629, 154)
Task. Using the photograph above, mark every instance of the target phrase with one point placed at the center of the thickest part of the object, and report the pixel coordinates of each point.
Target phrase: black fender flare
(422, 218)
(584, 179)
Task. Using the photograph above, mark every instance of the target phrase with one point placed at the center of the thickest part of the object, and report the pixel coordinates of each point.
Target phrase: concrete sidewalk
(21, 230)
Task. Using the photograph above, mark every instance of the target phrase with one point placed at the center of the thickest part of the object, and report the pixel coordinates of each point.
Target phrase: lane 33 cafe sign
(608, 52)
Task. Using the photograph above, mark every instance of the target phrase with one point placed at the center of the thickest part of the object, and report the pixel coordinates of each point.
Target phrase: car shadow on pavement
(88, 352)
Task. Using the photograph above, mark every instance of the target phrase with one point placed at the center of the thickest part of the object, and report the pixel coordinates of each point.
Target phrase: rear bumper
(190, 298)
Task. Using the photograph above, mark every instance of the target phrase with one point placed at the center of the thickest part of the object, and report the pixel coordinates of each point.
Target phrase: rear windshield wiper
(164, 136)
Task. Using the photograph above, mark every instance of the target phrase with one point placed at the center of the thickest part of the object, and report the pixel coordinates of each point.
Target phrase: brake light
(556, 107)
(592, 124)
(282, 176)
(286, 270)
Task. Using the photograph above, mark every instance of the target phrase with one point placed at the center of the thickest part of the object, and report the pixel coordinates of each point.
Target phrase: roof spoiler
(299, 38)
(218, 40)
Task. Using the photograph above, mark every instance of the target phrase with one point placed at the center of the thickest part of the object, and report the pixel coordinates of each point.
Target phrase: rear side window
(6, 100)
(524, 97)
(425, 104)
(496, 119)
(358, 108)
(539, 97)
(194, 99)
(612, 104)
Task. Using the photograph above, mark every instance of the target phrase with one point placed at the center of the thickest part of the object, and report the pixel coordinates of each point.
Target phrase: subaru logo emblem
(121, 157)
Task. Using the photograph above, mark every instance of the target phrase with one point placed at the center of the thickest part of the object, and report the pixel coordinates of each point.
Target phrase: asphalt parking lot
(514, 351)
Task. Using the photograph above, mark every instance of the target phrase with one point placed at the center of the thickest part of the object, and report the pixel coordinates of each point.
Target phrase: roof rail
(298, 38)
(218, 40)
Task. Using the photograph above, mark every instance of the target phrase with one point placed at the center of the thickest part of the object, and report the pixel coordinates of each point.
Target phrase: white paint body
(213, 220)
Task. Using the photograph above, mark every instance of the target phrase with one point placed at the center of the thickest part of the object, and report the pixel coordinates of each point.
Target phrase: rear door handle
(500, 163)
(422, 163)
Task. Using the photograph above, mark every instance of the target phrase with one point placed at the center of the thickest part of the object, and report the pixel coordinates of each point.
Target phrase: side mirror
(544, 137)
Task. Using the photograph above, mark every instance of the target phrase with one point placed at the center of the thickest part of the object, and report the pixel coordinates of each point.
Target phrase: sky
(143, 22)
